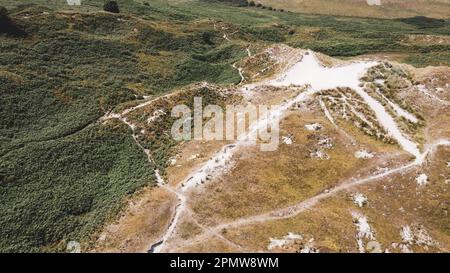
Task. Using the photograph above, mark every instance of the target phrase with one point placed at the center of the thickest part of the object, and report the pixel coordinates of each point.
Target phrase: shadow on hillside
(425, 22)
(7, 26)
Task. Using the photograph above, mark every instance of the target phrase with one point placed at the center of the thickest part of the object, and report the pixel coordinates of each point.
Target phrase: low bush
(425, 22)
(7, 26)
(111, 6)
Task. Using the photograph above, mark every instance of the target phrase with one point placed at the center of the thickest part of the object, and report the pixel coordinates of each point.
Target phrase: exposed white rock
(287, 140)
(159, 179)
(173, 161)
(364, 229)
(290, 239)
(365, 232)
(102, 237)
(415, 235)
(73, 247)
(407, 235)
(276, 243)
(319, 154)
(286, 240)
(373, 2)
(193, 157)
(359, 199)
(404, 248)
(74, 2)
(156, 115)
(314, 126)
(364, 154)
(309, 247)
(423, 238)
(293, 236)
(326, 143)
(422, 179)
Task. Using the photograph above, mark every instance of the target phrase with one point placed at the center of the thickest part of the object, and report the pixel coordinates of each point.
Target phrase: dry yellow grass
(142, 223)
(388, 9)
(260, 181)
(188, 157)
(212, 245)
(393, 203)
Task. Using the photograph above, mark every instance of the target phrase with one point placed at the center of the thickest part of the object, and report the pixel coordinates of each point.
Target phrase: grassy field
(331, 225)
(62, 173)
(387, 9)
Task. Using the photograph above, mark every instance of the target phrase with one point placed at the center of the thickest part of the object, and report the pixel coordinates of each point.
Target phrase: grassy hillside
(63, 173)
(361, 8)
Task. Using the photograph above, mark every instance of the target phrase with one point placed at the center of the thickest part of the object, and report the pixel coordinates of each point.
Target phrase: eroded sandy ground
(363, 165)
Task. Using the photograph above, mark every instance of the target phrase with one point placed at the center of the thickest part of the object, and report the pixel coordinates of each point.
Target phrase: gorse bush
(111, 6)
(72, 170)
(425, 22)
(7, 26)
(239, 3)
(3, 14)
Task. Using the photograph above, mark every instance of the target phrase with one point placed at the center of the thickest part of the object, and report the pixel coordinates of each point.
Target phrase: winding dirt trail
(307, 72)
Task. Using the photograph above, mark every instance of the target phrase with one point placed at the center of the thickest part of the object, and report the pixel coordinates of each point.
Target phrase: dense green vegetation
(239, 3)
(111, 6)
(62, 173)
(7, 26)
(425, 22)
(65, 188)
(4, 17)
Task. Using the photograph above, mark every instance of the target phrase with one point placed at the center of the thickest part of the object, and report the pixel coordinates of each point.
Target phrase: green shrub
(239, 3)
(271, 34)
(7, 26)
(3, 14)
(111, 6)
(425, 22)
